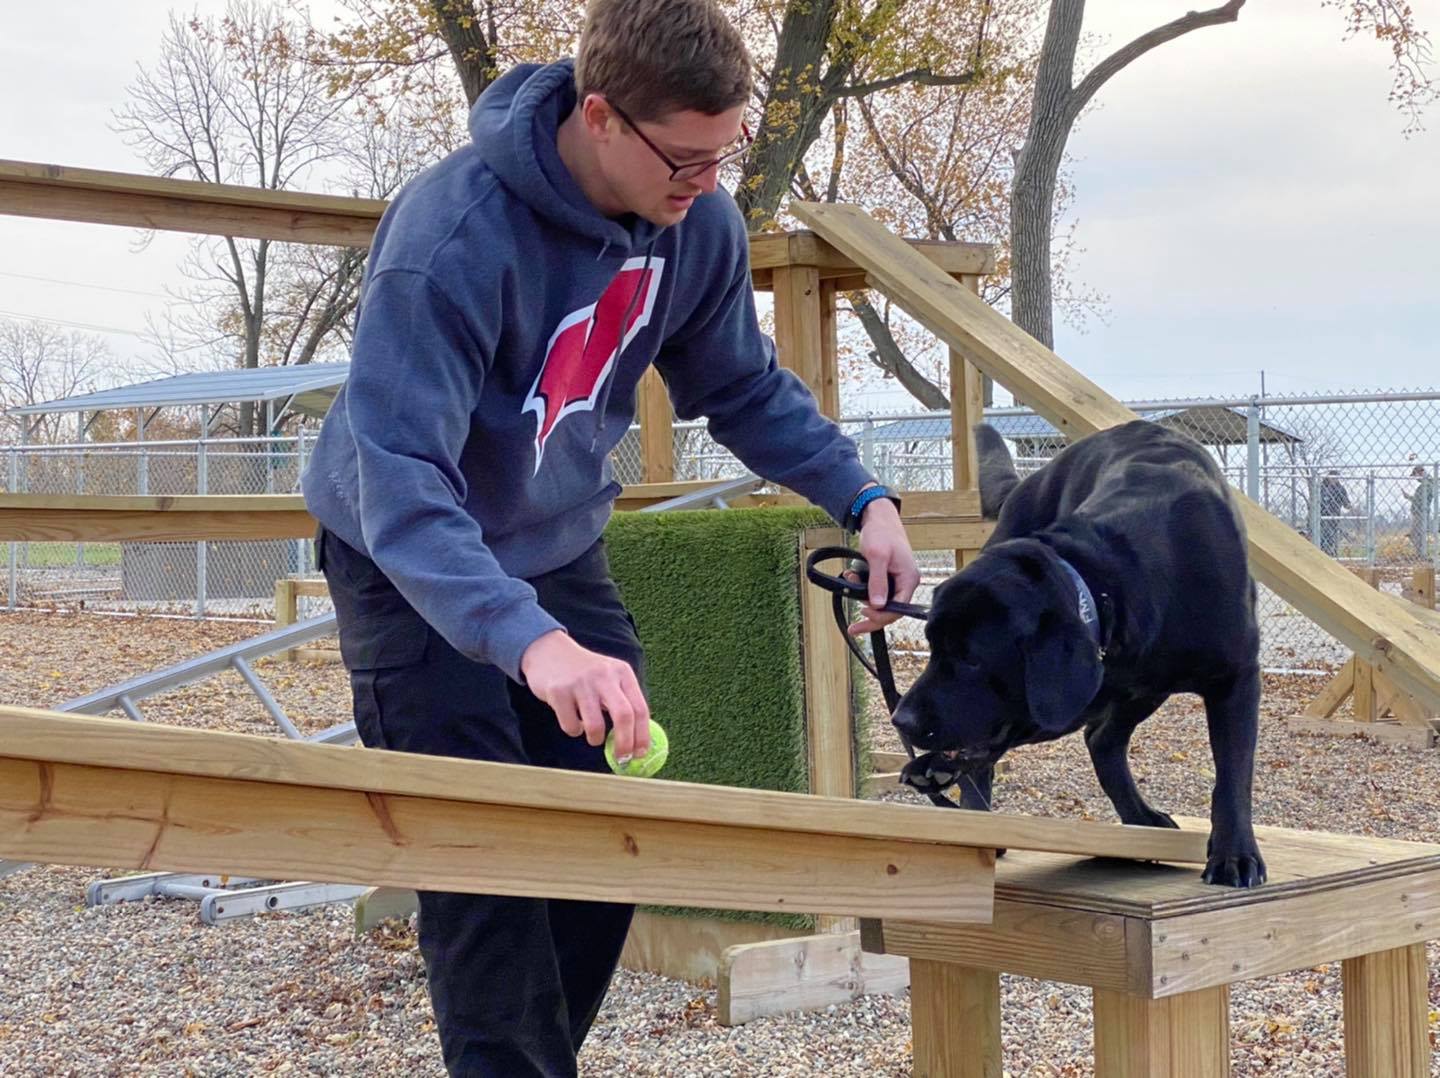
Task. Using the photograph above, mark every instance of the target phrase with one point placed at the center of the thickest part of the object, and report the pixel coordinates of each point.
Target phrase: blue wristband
(864, 498)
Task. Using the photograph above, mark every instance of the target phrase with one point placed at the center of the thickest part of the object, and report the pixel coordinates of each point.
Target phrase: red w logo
(584, 347)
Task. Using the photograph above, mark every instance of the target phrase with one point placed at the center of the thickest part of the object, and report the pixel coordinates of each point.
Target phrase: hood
(514, 125)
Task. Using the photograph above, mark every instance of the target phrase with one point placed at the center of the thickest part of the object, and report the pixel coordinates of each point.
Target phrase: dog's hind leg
(1108, 739)
(1232, 711)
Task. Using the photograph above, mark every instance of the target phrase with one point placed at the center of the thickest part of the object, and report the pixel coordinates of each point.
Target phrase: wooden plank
(1030, 939)
(689, 948)
(51, 737)
(829, 717)
(955, 1020)
(797, 328)
(1387, 1014)
(1299, 862)
(1336, 691)
(34, 189)
(102, 518)
(311, 588)
(1181, 1037)
(1392, 733)
(382, 904)
(772, 250)
(1381, 629)
(317, 655)
(967, 408)
(1362, 697)
(829, 351)
(925, 533)
(657, 429)
(1223, 946)
(1422, 587)
(163, 821)
(805, 973)
(284, 612)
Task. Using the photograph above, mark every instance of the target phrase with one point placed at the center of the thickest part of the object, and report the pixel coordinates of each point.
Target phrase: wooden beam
(94, 518)
(57, 192)
(53, 739)
(1387, 1027)
(829, 717)
(955, 1019)
(1381, 629)
(802, 973)
(797, 329)
(28, 189)
(1179, 1037)
(175, 814)
(657, 429)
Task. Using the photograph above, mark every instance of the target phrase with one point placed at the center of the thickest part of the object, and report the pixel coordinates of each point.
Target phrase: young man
(515, 294)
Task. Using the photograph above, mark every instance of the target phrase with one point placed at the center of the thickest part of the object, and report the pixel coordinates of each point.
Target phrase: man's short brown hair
(654, 57)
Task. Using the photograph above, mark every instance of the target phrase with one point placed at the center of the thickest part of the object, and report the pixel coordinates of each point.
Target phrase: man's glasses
(695, 168)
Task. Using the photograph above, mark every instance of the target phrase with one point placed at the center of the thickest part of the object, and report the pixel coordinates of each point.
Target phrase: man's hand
(886, 549)
(583, 687)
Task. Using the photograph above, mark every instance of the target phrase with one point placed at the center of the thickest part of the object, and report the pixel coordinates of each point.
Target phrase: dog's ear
(1063, 672)
(997, 471)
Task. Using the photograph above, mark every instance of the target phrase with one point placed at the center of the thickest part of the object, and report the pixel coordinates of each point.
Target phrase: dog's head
(1011, 661)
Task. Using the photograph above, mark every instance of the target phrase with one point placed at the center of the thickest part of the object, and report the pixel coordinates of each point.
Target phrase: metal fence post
(1252, 446)
(13, 593)
(1315, 521)
(867, 447)
(202, 485)
(1370, 518)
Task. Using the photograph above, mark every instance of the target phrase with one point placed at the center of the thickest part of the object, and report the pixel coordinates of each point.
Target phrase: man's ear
(1063, 672)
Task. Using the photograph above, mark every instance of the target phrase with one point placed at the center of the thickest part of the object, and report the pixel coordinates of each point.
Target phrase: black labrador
(1116, 576)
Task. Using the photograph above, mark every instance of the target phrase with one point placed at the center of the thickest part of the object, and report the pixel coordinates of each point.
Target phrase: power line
(83, 284)
(74, 325)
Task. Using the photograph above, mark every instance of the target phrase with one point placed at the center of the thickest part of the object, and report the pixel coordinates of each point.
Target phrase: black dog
(1116, 576)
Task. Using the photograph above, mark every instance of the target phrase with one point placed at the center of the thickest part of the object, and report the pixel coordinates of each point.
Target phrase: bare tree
(1059, 99)
(237, 101)
(41, 362)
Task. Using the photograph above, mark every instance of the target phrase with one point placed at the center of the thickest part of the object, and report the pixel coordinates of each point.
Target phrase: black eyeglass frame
(695, 168)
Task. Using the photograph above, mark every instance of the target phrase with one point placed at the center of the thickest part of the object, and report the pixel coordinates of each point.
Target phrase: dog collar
(1088, 611)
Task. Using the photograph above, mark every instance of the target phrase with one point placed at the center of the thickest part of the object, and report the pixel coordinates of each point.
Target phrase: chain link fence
(1356, 474)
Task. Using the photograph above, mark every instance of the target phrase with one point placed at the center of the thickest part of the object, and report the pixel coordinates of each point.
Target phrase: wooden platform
(1160, 949)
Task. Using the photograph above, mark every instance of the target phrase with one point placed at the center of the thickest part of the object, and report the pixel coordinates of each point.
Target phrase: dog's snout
(906, 721)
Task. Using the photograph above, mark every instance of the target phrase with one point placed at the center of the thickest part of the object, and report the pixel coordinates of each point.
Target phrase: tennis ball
(642, 767)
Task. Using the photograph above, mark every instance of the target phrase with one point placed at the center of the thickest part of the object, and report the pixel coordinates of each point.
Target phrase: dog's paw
(1236, 864)
(1155, 818)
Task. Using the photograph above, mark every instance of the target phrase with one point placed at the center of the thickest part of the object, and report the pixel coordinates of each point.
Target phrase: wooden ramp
(1391, 635)
(90, 791)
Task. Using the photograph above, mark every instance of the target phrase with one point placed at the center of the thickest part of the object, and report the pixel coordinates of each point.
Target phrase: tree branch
(1128, 54)
(921, 76)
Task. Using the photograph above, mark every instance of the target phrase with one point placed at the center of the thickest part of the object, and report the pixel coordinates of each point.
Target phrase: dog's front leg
(1232, 711)
(1108, 740)
(975, 788)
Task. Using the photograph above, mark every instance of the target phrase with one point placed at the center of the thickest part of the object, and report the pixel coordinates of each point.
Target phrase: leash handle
(850, 589)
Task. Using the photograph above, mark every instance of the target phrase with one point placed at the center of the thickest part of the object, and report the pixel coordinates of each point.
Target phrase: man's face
(638, 172)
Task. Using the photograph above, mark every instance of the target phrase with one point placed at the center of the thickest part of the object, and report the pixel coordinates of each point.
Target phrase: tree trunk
(1032, 198)
(890, 359)
(460, 27)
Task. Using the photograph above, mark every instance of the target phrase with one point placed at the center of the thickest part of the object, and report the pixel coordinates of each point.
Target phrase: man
(1422, 510)
(1334, 500)
(515, 294)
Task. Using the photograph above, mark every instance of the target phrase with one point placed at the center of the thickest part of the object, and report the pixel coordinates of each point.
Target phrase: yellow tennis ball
(642, 767)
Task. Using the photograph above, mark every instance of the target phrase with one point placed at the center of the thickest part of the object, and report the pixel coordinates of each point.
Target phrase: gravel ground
(146, 989)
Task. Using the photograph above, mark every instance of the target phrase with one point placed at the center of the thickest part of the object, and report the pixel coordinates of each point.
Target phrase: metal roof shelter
(308, 389)
(1209, 424)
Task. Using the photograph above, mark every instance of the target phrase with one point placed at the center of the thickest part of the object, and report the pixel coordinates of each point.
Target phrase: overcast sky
(1244, 197)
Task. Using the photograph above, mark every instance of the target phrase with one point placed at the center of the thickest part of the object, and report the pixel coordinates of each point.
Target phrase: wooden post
(1422, 587)
(1387, 1014)
(829, 352)
(955, 1020)
(967, 408)
(657, 431)
(285, 611)
(829, 719)
(797, 328)
(1182, 1036)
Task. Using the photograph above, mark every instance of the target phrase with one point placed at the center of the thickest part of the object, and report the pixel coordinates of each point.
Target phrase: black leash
(930, 774)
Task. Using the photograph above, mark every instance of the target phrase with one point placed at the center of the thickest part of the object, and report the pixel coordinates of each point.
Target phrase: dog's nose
(906, 721)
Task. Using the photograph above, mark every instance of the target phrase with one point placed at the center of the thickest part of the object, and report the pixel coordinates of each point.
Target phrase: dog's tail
(997, 471)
